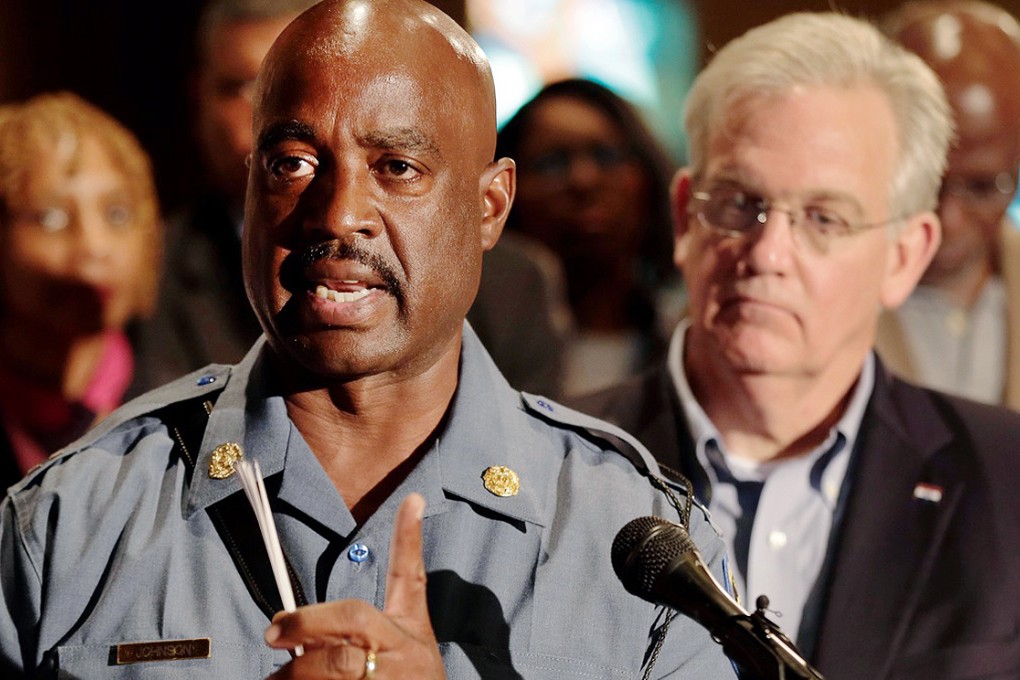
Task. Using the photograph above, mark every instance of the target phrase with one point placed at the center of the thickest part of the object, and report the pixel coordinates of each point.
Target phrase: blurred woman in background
(80, 245)
(593, 186)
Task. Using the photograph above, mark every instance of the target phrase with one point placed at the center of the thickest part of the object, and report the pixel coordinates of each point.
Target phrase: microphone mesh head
(643, 548)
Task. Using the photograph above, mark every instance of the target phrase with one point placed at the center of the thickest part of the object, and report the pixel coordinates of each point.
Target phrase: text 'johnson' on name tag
(164, 650)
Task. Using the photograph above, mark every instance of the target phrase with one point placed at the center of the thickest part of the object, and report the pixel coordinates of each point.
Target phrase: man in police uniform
(373, 412)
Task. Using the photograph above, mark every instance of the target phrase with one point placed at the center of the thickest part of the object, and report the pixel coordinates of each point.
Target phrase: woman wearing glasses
(593, 186)
(80, 239)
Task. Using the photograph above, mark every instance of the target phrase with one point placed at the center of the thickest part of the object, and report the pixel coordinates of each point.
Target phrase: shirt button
(831, 491)
(358, 553)
(956, 322)
(777, 539)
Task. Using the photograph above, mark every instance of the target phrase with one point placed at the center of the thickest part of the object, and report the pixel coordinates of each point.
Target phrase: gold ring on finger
(369, 665)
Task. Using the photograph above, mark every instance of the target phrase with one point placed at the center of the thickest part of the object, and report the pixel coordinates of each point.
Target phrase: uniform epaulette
(607, 435)
(199, 385)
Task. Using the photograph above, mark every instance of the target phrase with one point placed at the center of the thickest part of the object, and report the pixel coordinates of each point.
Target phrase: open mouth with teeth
(335, 285)
(335, 302)
(357, 292)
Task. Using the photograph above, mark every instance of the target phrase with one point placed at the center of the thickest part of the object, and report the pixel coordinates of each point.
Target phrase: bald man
(960, 330)
(203, 316)
(435, 522)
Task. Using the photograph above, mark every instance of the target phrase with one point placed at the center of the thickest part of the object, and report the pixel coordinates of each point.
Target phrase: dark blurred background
(132, 59)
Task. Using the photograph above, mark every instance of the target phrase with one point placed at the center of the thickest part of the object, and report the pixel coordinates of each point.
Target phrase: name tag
(164, 650)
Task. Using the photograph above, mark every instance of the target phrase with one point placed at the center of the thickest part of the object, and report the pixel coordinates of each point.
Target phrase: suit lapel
(661, 420)
(897, 504)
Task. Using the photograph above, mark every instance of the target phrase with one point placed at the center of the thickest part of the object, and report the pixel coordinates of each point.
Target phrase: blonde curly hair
(57, 121)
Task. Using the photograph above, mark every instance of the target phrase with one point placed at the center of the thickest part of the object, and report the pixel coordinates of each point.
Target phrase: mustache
(294, 267)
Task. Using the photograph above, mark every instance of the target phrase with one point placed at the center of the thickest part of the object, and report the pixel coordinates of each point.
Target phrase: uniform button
(206, 380)
(358, 553)
(777, 539)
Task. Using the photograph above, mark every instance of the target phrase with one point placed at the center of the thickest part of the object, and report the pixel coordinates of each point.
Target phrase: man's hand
(338, 636)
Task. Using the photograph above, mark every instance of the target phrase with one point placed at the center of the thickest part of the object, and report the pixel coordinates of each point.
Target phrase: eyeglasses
(556, 164)
(734, 212)
(54, 220)
(981, 189)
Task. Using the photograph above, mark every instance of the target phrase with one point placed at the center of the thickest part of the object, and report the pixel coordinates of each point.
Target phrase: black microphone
(657, 561)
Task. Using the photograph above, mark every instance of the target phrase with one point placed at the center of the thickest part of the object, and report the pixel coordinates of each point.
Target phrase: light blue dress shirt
(776, 516)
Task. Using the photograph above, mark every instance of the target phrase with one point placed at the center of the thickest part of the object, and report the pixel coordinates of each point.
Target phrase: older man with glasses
(878, 517)
(960, 330)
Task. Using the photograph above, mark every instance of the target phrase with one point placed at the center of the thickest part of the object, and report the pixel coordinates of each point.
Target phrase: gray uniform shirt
(108, 543)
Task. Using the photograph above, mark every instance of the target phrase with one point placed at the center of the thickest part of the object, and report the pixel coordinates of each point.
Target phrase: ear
(498, 185)
(680, 197)
(910, 251)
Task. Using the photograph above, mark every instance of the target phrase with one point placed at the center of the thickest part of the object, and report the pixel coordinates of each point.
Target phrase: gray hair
(831, 49)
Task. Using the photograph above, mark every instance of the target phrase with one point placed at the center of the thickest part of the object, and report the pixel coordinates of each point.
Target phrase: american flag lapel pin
(931, 493)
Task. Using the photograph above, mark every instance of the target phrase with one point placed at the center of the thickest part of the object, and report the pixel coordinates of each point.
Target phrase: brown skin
(982, 81)
(375, 127)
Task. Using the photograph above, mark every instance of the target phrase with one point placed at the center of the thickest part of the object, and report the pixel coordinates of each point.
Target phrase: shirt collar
(842, 436)
(487, 425)
(248, 415)
(701, 427)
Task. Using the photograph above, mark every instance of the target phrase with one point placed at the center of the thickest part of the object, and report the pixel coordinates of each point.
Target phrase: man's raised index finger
(405, 578)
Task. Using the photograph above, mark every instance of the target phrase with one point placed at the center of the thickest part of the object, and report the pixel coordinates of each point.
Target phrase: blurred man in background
(203, 316)
(960, 329)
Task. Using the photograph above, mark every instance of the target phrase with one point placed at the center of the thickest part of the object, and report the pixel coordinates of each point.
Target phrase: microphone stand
(773, 658)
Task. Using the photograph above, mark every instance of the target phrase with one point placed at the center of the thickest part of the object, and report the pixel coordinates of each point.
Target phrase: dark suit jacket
(911, 589)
